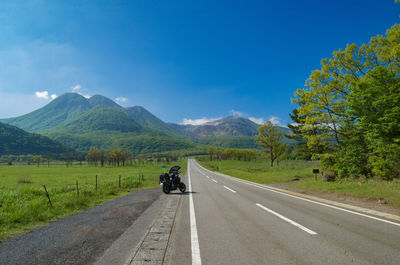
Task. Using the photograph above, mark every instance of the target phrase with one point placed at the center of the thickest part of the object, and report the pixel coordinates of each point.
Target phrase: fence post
(96, 183)
(48, 196)
(77, 188)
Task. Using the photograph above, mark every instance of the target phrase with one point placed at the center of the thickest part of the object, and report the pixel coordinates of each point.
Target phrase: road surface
(226, 221)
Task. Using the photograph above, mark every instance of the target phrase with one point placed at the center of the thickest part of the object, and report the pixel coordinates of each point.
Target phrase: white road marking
(208, 177)
(304, 199)
(215, 181)
(287, 220)
(229, 189)
(196, 259)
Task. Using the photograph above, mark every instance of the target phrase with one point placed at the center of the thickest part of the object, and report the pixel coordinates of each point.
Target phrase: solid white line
(304, 199)
(229, 189)
(215, 181)
(196, 259)
(287, 220)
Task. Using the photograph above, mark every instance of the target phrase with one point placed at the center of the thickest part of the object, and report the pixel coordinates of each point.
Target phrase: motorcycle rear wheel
(182, 187)
(166, 188)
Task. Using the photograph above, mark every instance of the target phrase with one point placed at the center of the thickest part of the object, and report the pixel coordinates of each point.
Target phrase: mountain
(15, 141)
(98, 100)
(101, 118)
(229, 126)
(229, 132)
(80, 123)
(148, 120)
(53, 114)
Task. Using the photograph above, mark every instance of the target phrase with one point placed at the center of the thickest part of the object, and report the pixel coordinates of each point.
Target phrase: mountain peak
(99, 100)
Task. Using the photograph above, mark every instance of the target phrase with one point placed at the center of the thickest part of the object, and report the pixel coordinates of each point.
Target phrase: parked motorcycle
(171, 181)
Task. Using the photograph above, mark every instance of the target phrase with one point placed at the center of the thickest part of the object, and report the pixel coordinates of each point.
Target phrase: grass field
(258, 171)
(24, 203)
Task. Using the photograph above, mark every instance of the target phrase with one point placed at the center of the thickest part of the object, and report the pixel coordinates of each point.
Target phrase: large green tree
(269, 138)
(349, 108)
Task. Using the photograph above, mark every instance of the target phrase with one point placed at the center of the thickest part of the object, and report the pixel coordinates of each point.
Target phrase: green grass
(376, 189)
(24, 204)
(259, 171)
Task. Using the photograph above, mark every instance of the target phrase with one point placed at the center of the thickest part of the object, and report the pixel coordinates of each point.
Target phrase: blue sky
(182, 60)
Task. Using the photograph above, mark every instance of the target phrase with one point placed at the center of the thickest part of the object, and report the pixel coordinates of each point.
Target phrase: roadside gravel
(81, 238)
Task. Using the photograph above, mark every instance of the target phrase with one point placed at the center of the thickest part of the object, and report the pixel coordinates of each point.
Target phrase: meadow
(289, 171)
(24, 203)
(258, 171)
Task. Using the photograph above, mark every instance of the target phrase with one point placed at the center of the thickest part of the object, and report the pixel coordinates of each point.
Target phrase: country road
(227, 221)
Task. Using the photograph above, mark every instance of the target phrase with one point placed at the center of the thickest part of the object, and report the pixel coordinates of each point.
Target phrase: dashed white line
(287, 220)
(215, 181)
(208, 177)
(196, 259)
(304, 199)
(229, 189)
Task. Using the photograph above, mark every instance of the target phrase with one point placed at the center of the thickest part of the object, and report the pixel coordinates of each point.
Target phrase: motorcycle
(171, 181)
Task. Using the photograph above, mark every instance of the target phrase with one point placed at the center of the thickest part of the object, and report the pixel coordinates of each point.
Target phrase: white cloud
(277, 121)
(42, 94)
(237, 113)
(198, 121)
(121, 99)
(53, 96)
(76, 88)
(259, 121)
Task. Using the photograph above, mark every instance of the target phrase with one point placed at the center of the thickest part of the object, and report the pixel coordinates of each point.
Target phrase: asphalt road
(83, 237)
(225, 221)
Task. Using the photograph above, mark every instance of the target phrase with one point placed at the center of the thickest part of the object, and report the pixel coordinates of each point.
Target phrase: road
(227, 221)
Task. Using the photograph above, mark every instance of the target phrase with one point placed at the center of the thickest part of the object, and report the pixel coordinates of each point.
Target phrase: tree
(37, 159)
(375, 103)
(211, 152)
(268, 137)
(349, 109)
(68, 158)
(47, 156)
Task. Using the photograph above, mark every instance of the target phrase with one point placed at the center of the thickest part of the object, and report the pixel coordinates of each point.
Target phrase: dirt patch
(377, 204)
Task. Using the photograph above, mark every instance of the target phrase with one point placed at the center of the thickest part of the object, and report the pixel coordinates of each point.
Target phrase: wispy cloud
(238, 113)
(277, 121)
(76, 88)
(81, 91)
(200, 121)
(259, 121)
(121, 99)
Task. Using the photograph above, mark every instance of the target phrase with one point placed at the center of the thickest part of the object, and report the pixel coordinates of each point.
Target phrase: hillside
(101, 118)
(232, 132)
(81, 123)
(15, 141)
(56, 112)
(148, 120)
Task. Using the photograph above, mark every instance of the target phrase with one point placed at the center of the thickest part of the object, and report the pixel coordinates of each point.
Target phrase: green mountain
(80, 123)
(148, 120)
(15, 141)
(53, 114)
(98, 100)
(101, 118)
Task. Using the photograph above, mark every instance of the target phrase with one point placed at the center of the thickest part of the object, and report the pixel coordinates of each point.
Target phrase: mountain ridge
(81, 122)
